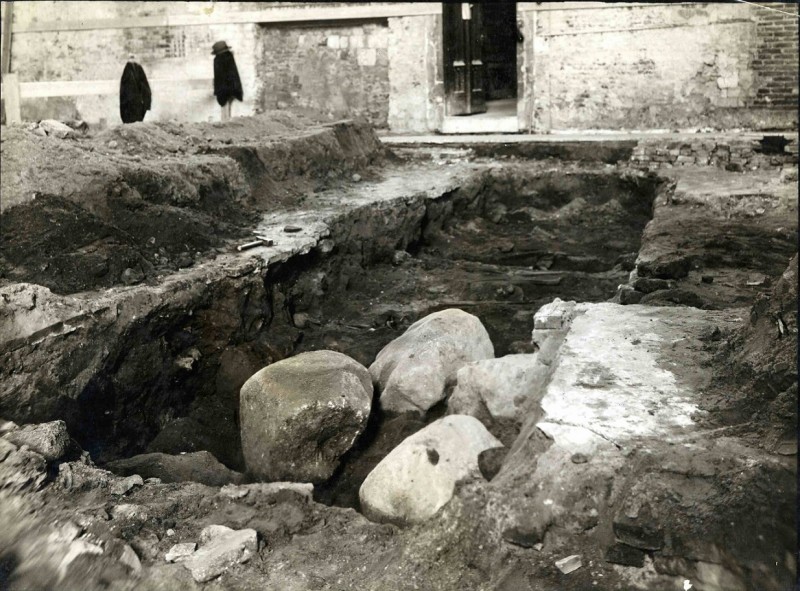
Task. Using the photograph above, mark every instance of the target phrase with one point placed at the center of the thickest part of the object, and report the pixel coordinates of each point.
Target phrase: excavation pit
(156, 365)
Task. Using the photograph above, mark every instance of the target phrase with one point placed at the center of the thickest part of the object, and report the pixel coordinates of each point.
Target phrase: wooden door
(463, 56)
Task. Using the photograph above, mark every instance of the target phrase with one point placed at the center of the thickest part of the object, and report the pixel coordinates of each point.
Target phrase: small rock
(356, 177)
(132, 276)
(399, 257)
(129, 558)
(122, 486)
(170, 532)
(291, 229)
(56, 128)
(51, 440)
(233, 492)
(569, 564)
(625, 555)
(756, 279)
(579, 458)
(707, 279)
(184, 260)
(627, 295)
(129, 511)
(642, 536)
(112, 144)
(300, 320)
(7, 426)
(180, 551)
(222, 551)
(152, 481)
(490, 461)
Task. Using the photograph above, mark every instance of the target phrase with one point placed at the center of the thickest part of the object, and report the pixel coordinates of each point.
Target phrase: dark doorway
(480, 55)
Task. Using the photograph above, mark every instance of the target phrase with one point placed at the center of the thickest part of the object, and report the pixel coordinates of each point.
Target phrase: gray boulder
(418, 477)
(300, 415)
(501, 393)
(50, 440)
(199, 466)
(412, 372)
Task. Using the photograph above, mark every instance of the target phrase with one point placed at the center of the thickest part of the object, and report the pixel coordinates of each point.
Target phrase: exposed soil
(149, 322)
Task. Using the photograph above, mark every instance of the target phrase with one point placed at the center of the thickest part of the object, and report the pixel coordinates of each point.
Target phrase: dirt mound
(757, 379)
(139, 200)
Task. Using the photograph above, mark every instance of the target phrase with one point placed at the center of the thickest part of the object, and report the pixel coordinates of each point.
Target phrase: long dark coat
(227, 85)
(134, 93)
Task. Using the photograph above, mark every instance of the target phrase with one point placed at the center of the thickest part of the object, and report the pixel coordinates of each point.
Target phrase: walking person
(134, 92)
(227, 85)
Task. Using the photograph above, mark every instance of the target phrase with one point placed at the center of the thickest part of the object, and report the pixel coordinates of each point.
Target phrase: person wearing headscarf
(227, 85)
(134, 92)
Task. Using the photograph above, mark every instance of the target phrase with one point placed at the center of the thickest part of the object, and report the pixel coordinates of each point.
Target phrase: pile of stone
(301, 415)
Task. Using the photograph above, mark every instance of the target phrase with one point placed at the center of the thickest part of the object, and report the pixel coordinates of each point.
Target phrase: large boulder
(501, 393)
(419, 476)
(413, 372)
(300, 415)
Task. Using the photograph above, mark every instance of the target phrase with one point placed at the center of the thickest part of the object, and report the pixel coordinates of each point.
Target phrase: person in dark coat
(227, 85)
(134, 93)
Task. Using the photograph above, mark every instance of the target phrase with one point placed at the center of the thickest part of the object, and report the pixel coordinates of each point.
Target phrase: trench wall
(581, 65)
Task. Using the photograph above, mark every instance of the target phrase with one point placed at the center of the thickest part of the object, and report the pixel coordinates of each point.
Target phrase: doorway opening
(480, 55)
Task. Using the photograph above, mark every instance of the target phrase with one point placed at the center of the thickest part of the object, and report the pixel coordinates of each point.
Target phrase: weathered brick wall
(732, 153)
(614, 66)
(775, 63)
(339, 70)
(670, 67)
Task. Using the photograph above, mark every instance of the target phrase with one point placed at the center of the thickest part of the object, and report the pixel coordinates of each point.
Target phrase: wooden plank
(8, 13)
(11, 98)
(319, 12)
(103, 87)
(560, 6)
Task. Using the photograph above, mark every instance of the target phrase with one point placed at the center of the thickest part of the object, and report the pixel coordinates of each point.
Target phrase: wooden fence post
(11, 98)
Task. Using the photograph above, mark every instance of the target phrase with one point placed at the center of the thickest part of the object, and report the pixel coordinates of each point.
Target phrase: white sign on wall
(466, 13)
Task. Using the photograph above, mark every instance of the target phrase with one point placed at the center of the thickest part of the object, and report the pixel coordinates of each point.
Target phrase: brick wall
(775, 61)
(738, 154)
(613, 66)
(663, 67)
(342, 71)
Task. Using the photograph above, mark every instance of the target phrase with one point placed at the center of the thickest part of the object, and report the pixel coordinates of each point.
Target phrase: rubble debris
(291, 229)
(51, 440)
(569, 564)
(223, 549)
(180, 551)
(123, 485)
